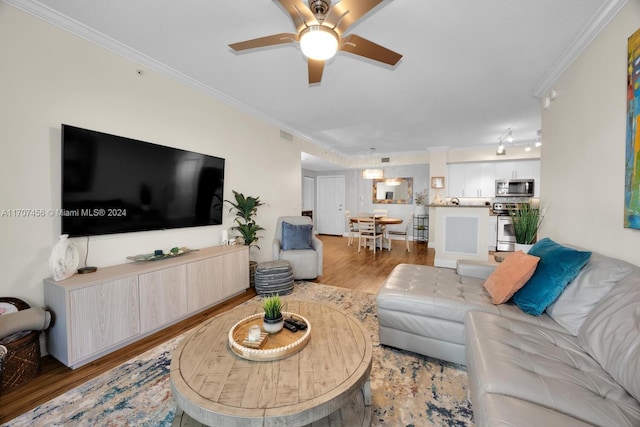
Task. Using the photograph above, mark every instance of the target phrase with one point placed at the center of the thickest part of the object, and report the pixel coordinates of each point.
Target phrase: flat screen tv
(112, 184)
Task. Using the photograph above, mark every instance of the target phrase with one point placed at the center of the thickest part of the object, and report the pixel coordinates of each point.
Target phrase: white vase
(272, 326)
(420, 210)
(522, 247)
(64, 259)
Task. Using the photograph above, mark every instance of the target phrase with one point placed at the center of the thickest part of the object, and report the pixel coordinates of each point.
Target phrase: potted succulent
(273, 320)
(526, 222)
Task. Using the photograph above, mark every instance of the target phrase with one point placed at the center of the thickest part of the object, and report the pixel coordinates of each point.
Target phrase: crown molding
(72, 26)
(47, 14)
(600, 20)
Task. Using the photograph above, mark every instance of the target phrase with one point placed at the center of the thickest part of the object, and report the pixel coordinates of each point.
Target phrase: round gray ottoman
(274, 277)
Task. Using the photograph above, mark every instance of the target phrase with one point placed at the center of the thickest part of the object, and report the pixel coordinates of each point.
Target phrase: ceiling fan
(320, 27)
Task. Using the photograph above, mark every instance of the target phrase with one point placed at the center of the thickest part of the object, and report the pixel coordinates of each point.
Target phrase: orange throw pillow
(510, 275)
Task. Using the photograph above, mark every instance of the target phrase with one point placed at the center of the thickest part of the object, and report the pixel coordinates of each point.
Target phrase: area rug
(407, 389)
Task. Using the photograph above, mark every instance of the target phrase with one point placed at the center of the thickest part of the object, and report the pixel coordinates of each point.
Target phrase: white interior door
(330, 205)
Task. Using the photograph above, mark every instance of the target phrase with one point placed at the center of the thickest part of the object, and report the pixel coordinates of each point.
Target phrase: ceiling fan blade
(344, 13)
(265, 41)
(363, 47)
(300, 13)
(315, 70)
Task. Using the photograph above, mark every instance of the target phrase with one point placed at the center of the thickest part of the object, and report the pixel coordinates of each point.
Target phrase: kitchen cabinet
(471, 179)
(455, 175)
(96, 314)
(518, 169)
(478, 179)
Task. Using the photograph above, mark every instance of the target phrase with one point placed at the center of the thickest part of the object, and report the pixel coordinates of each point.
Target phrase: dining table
(379, 220)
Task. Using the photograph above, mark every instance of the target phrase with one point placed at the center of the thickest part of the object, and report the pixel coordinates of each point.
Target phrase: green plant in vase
(421, 199)
(273, 319)
(246, 208)
(526, 222)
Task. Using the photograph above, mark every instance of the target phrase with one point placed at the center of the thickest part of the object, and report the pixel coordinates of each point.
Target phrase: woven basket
(23, 354)
(3, 357)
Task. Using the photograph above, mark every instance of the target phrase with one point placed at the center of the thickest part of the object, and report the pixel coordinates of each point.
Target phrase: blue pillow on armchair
(296, 237)
(558, 266)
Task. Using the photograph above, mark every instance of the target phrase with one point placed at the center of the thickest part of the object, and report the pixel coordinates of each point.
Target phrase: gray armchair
(306, 263)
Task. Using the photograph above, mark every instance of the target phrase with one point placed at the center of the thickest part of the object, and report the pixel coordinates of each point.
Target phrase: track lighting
(508, 139)
(539, 140)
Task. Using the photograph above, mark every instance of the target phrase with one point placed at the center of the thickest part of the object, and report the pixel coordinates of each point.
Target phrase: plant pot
(273, 326)
(522, 247)
(420, 210)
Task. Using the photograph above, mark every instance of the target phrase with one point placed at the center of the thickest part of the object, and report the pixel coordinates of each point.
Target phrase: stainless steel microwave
(514, 187)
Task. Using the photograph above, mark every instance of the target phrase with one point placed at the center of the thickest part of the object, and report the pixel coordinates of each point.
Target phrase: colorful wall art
(632, 157)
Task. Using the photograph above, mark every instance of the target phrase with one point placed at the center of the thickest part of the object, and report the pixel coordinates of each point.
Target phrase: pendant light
(371, 172)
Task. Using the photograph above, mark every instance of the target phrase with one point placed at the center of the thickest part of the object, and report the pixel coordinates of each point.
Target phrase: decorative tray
(154, 257)
(277, 346)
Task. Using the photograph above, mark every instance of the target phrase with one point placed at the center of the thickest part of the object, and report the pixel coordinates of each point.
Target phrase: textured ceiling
(469, 70)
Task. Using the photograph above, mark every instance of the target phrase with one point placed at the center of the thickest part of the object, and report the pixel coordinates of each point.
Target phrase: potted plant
(273, 320)
(526, 222)
(246, 208)
(421, 200)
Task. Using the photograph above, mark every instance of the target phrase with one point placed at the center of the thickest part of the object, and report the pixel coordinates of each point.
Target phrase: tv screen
(112, 184)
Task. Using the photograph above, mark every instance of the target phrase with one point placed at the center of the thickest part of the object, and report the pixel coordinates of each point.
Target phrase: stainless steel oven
(506, 237)
(506, 240)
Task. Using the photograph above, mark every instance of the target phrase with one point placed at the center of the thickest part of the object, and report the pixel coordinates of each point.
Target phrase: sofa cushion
(558, 265)
(611, 333)
(510, 275)
(506, 411)
(592, 283)
(434, 297)
(545, 367)
(296, 236)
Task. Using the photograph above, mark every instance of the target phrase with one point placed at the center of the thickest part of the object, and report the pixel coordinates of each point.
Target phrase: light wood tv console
(95, 314)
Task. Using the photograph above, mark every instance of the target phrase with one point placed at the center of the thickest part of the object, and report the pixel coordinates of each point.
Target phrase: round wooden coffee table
(326, 383)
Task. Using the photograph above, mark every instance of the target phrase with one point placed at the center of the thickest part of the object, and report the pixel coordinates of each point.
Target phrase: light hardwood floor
(343, 267)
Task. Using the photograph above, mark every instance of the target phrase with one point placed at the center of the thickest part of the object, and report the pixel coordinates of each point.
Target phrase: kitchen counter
(491, 213)
(460, 206)
(461, 233)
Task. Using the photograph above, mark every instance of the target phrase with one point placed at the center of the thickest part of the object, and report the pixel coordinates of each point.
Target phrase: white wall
(583, 155)
(49, 77)
(358, 191)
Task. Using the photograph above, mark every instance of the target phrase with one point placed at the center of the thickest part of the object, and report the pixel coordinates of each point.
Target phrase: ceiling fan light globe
(319, 42)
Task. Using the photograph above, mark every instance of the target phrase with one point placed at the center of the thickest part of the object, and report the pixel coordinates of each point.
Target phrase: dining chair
(353, 227)
(368, 231)
(377, 213)
(405, 232)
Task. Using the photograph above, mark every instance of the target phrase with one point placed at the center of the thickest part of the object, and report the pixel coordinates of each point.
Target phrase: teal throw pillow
(558, 266)
(295, 237)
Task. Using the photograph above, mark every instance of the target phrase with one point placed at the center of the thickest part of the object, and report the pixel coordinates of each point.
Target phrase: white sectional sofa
(576, 364)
